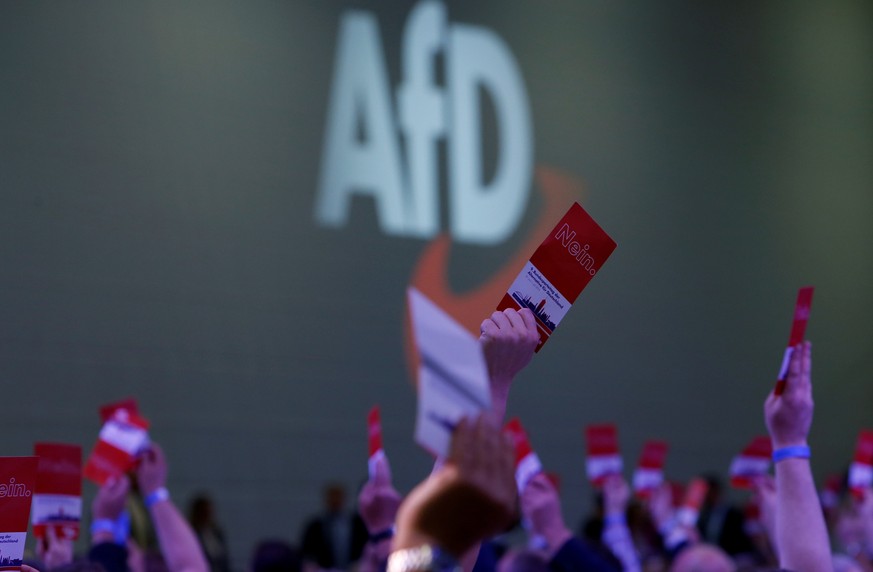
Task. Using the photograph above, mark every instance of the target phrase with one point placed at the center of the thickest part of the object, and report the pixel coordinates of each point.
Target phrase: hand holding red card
(798, 330)
(650, 471)
(861, 469)
(374, 440)
(123, 435)
(751, 463)
(559, 270)
(789, 416)
(603, 453)
(378, 500)
(527, 463)
(57, 498)
(695, 494)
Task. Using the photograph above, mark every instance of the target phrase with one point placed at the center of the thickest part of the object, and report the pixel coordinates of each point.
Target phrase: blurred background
(162, 166)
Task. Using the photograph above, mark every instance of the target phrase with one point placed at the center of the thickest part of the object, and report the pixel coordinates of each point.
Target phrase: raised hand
(508, 341)
(378, 500)
(789, 416)
(470, 497)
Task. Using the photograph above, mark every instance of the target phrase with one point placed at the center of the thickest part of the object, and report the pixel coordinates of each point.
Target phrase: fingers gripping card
(753, 461)
(603, 454)
(798, 330)
(559, 269)
(527, 463)
(650, 470)
(57, 498)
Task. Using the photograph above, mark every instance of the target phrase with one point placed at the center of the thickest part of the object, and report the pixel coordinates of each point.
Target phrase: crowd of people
(468, 513)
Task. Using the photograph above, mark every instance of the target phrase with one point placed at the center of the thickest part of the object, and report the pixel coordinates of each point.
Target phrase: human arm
(541, 508)
(616, 534)
(176, 538)
(377, 503)
(865, 512)
(508, 341)
(800, 532)
(470, 497)
(765, 493)
(675, 535)
(107, 548)
(53, 551)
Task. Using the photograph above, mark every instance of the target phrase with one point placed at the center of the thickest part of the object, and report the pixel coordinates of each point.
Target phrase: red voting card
(108, 411)
(861, 469)
(374, 438)
(17, 483)
(57, 498)
(753, 461)
(650, 471)
(798, 329)
(555, 479)
(677, 493)
(123, 435)
(527, 463)
(560, 268)
(603, 455)
(695, 494)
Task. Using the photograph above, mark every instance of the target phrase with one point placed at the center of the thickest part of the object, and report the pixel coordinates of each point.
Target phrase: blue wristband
(103, 525)
(119, 529)
(795, 452)
(382, 535)
(610, 519)
(156, 496)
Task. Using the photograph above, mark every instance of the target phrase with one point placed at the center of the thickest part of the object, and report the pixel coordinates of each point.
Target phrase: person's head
(334, 497)
(703, 558)
(713, 493)
(276, 556)
(200, 511)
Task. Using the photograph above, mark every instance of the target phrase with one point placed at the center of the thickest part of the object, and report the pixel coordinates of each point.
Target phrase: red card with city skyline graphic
(17, 483)
(559, 269)
(57, 498)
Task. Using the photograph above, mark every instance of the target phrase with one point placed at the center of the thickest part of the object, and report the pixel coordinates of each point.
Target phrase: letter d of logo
(486, 213)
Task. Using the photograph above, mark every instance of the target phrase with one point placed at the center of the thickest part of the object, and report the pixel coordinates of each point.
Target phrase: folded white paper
(452, 374)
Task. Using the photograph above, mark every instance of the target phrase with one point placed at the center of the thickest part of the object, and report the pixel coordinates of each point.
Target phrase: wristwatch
(422, 558)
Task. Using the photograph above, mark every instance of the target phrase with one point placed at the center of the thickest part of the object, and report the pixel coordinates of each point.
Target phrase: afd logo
(391, 154)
